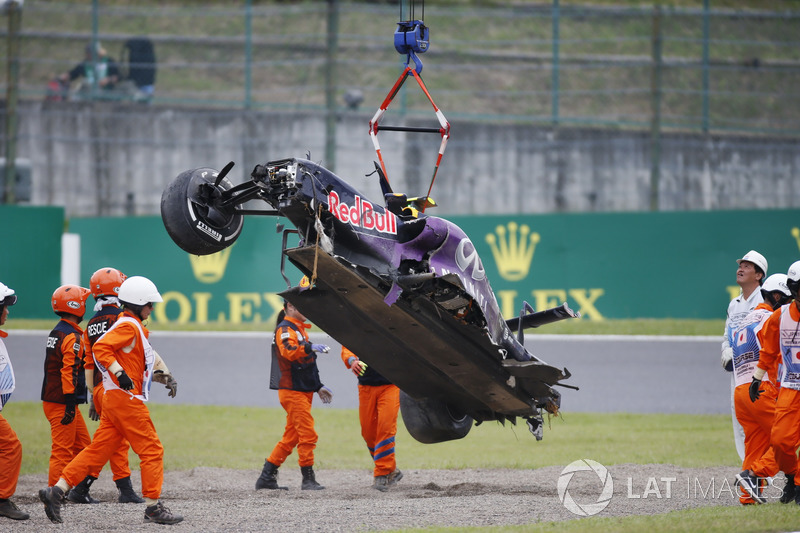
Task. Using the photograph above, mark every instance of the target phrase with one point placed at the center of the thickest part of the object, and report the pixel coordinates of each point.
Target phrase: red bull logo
(362, 214)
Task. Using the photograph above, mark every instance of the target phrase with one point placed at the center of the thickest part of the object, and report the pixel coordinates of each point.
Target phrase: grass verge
(241, 437)
(763, 518)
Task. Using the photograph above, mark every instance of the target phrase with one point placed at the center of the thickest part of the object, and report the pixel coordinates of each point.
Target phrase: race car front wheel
(194, 216)
(431, 420)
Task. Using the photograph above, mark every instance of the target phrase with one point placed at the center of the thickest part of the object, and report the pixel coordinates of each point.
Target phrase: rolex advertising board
(236, 285)
(607, 265)
(629, 265)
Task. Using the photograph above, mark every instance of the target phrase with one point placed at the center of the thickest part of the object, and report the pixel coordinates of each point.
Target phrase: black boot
(309, 483)
(9, 509)
(269, 478)
(80, 492)
(789, 491)
(53, 499)
(159, 514)
(126, 492)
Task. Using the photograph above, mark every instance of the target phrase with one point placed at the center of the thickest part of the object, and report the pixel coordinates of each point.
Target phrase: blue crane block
(411, 36)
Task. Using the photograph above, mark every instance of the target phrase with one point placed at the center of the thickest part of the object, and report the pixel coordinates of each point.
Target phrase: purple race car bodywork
(405, 291)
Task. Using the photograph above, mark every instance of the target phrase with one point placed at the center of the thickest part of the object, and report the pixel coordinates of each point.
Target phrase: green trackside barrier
(629, 265)
(236, 285)
(30, 256)
(613, 265)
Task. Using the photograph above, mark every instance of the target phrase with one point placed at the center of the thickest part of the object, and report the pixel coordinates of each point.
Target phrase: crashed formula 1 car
(405, 291)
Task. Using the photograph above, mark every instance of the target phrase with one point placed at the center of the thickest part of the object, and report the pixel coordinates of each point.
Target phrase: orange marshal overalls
(780, 343)
(378, 404)
(755, 417)
(63, 373)
(298, 382)
(125, 415)
(95, 328)
(10, 446)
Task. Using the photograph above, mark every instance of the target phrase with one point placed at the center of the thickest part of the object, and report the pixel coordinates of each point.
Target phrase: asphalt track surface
(630, 374)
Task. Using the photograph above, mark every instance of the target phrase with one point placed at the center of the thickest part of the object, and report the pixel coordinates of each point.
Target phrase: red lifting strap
(443, 130)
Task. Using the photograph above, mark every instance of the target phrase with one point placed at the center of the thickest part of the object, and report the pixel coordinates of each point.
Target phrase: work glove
(93, 414)
(357, 366)
(69, 409)
(172, 385)
(320, 348)
(755, 391)
(325, 394)
(168, 381)
(727, 359)
(125, 382)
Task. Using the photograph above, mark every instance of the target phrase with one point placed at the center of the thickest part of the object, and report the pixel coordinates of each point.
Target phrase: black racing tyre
(431, 421)
(196, 225)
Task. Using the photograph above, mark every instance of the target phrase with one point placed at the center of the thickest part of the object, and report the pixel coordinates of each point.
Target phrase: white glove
(325, 394)
(727, 359)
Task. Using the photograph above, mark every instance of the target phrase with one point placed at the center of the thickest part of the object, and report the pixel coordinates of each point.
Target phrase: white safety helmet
(757, 259)
(138, 290)
(776, 282)
(793, 279)
(7, 296)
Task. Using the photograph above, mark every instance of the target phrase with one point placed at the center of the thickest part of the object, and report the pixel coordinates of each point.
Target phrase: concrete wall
(116, 158)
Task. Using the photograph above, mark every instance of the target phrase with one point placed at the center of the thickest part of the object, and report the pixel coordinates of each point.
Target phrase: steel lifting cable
(412, 10)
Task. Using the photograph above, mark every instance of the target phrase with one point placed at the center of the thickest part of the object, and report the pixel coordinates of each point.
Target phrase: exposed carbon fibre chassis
(425, 350)
(406, 292)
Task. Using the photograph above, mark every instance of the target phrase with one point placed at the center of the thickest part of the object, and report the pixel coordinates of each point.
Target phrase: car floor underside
(416, 344)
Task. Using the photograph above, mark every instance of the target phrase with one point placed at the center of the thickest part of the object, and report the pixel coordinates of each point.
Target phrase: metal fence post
(706, 36)
(330, 85)
(248, 54)
(555, 88)
(655, 105)
(95, 56)
(14, 11)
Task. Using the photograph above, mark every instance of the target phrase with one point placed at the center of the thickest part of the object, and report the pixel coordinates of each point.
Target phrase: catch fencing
(553, 108)
(707, 70)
